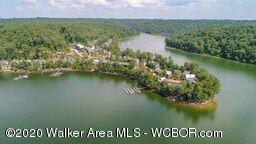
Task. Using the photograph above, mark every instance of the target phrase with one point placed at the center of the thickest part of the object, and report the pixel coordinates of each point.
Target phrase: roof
(168, 72)
(190, 76)
(80, 46)
(162, 79)
(124, 63)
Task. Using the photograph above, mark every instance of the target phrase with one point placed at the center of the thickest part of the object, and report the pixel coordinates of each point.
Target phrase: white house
(162, 79)
(158, 70)
(169, 74)
(96, 61)
(191, 78)
(90, 49)
(124, 63)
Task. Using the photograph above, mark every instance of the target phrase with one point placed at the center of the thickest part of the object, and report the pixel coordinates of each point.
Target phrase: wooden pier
(56, 74)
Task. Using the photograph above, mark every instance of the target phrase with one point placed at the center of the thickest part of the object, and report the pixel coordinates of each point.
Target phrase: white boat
(22, 77)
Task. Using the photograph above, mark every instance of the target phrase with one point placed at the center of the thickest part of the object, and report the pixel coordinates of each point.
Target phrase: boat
(22, 76)
(58, 73)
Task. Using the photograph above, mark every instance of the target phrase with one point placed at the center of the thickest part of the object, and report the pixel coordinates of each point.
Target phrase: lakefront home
(191, 77)
(169, 74)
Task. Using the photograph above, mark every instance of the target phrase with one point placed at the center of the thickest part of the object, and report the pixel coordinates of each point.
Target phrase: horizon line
(128, 18)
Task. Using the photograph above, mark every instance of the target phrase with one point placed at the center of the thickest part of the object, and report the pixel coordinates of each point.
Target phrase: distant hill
(150, 26)
(169, 27)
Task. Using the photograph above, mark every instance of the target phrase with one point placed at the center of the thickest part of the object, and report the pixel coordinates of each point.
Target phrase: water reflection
(194, 114)
(216, 63)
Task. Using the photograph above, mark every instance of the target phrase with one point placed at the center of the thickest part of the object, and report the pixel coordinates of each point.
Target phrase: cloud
(140, 3)
(68, 4)
(187, 2)
(30, 4)
(78, 5)
(63, 4)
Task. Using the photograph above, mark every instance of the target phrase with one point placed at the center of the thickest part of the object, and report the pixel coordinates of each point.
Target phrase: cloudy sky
(166, 9)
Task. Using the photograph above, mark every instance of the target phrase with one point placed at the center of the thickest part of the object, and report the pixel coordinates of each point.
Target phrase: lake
(83, 100)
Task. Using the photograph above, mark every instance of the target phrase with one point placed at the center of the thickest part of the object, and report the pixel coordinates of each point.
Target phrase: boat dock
(56, 74)
(25, 76)
(132, 90)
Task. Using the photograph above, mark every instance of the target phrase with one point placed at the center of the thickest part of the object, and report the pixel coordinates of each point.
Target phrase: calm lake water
(83, 100)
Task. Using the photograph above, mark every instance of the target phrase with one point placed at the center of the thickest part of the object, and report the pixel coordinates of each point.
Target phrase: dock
(25, 76)
(56, 74)
(132, 90)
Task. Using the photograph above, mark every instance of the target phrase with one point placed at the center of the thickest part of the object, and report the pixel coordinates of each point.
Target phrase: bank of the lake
(141, 75)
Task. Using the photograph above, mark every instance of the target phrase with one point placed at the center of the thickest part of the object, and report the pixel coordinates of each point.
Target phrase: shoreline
(172, 99)
(206, 55)
(206, 104)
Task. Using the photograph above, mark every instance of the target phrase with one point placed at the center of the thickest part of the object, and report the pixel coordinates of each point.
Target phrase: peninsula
(44, 45)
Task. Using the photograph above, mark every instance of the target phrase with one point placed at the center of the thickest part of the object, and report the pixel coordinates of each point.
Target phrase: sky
(146, 9)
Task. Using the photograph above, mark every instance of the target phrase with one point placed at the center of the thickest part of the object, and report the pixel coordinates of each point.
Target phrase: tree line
(34, 39)
(170, 27)
(237, 43)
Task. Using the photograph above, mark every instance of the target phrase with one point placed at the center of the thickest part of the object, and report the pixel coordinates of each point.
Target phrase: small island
(93, 47)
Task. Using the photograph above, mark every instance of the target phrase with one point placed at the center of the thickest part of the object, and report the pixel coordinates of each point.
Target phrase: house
(191, 77)
(162, 79)
(188, 75)
(124, 63)
(158, 70)
(169, 74)
(90, 49)
(143, 62)
(77, 47)
(96, 61)
(5, 65)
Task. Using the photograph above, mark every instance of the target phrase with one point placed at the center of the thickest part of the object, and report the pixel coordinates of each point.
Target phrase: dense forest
(169, 27)
(33, 39)
(231, 42)
(150, 26)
